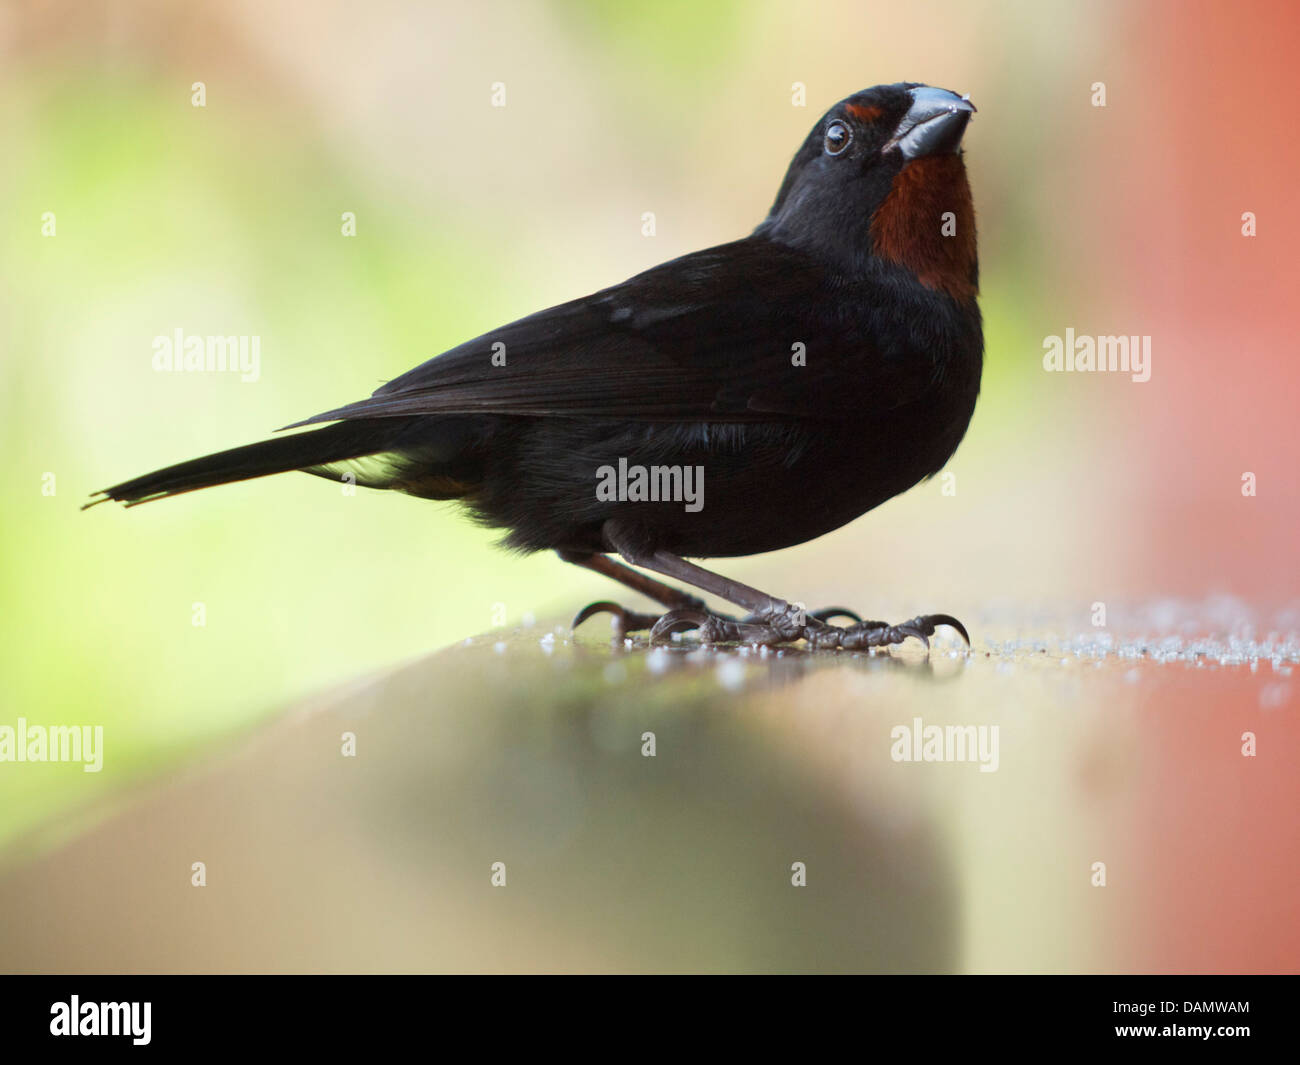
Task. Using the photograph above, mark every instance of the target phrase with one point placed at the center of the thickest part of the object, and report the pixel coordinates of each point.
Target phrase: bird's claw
(679, 621)
(828, 612)
(867, 634)
(624, 620)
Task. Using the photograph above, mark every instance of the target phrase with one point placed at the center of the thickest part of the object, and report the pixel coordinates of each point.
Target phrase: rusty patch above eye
(863, 113)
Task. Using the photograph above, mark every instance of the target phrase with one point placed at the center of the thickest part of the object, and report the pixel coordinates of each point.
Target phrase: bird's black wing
(710, 336)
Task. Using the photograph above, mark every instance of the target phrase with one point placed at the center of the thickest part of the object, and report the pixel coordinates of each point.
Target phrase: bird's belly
(766, 505)
(776, 493)
(711, 491)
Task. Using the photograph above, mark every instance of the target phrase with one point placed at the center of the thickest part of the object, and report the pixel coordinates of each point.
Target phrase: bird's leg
(770, 620)
(628, 620)
(775, 621)
(673, 598)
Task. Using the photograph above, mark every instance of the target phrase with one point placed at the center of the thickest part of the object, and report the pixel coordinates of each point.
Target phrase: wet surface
(1066, 801)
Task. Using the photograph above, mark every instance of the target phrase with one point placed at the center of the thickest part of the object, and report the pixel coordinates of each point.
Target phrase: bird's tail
(335, 443)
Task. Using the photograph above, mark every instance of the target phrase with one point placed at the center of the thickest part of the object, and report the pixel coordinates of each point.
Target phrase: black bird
(789, 381)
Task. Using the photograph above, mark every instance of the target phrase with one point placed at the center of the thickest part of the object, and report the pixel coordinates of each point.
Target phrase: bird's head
(880, 177)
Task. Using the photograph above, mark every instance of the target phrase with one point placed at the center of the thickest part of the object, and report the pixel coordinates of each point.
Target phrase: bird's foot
(785, 623)
(692, 616)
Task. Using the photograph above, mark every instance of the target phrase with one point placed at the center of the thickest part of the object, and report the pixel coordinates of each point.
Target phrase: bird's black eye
(838, 136)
